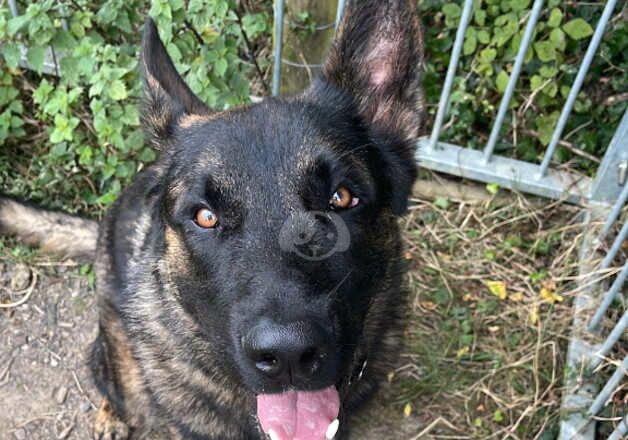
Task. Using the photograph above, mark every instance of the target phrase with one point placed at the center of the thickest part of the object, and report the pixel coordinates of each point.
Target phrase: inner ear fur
(167, 98)
(377, 57)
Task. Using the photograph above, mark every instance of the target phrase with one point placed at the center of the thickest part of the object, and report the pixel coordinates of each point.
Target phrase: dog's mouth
(300, 415)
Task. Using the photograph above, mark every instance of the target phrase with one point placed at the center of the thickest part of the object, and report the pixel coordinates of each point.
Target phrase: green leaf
(498, 416)
(452, 12)
(557, 37)
(11, 53)
(63, 41)
(488, 55)
(536, 82)
(555, 18)
(502, 81)
(16, 24)
(519, 5)
(442, 202)
(480, 17)
(545, 126)
(545, 50)
(492, 188)
(36, 56)
(220, 67)
(40, 95)
(548, 71)
(117, 90)
(578, 29)
(483, 36)
(470, 42)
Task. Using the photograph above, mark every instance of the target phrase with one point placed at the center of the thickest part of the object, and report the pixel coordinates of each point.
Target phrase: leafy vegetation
(69, 124)
(551, 63)
(71, 137)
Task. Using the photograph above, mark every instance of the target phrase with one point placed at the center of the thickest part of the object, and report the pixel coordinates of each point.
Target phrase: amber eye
(343, 199)
(205, 218)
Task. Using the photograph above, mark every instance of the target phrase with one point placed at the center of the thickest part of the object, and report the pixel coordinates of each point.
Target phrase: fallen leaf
(497, 288)
(390, 376)
(429, 305)
(467, 297)
(462, 352)
(493, 328)
(534, 314)
(550, 296)
(407, 410)
(517, 297)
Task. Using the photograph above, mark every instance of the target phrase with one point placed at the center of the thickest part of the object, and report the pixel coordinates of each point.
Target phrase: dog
(250, 280)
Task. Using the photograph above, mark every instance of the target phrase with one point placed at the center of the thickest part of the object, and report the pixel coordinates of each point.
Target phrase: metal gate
(601, 197)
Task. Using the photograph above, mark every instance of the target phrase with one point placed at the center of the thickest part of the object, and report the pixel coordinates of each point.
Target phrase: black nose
(290, 353)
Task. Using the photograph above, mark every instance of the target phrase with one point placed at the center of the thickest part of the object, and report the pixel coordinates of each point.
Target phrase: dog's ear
(377, 58)
(167, 98)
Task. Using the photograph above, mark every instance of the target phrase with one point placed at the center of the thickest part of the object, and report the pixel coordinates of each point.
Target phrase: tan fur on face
(188, 121)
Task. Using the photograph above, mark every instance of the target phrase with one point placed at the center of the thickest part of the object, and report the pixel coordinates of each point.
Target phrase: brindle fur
(173, 300)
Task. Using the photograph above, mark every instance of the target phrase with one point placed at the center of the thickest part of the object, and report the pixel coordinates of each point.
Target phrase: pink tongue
(298, 415)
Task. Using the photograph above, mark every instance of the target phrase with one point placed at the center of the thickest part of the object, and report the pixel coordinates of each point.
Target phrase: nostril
(310, 359)
(309, 356)
(268, 363)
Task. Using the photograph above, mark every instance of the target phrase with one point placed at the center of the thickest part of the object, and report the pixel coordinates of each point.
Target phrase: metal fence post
(451, 73)
(577, 84)
(279, 10)
(512, 81)
(607, 184)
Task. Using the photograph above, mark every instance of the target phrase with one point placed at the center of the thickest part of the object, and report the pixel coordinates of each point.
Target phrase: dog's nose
(289, 353)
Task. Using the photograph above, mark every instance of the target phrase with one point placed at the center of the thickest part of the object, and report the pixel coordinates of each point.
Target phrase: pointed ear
(377, 56)
(166, 96)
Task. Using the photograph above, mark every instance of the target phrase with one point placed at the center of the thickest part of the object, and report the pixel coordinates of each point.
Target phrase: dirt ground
(45, 387)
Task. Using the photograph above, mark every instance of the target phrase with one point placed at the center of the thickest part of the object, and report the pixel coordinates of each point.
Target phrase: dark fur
(175, 299)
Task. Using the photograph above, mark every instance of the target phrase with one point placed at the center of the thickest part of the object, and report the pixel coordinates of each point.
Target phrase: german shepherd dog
(250, 280)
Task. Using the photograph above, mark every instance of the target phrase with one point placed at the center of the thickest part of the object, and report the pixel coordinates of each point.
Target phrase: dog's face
(280, 218)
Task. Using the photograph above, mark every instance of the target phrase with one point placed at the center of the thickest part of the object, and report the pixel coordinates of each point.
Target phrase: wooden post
(305, 49)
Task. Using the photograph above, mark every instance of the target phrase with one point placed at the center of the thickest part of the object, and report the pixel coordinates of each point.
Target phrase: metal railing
(602, 197)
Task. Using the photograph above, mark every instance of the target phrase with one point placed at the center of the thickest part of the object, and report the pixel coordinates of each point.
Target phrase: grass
(491, 314)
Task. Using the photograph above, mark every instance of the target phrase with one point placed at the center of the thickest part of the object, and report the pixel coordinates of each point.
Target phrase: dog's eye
(205, 218)
(343, 199)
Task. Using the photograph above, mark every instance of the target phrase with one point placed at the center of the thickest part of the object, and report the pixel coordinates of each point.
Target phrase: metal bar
(451, 73)
(63, 12)
(609, 387)
(621, 430)
(577, 84)
(508, 173)
(279, 9)
(613, 337)
(13, 7)
(619, 241)
(617, 207)
(339, 11)
(512, 81)
(607, 184)
(608, 298)
(579, 390)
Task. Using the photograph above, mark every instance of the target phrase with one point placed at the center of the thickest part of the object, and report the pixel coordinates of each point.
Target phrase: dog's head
(280, 218)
